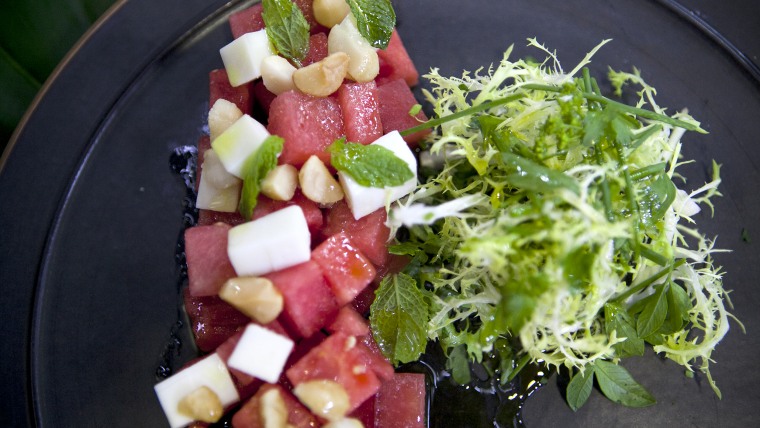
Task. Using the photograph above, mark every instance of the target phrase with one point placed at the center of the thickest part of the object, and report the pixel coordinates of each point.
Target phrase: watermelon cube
(396, 63)
(338, 359)
(212, 320)
(361, 119)
(247, 20)
(349, 322)
(312, 212)
(208, 266)
(347, 270)
(307, 124)
(375, 358)
(401, 402)
(249, 415)
(308, 302)
(220, 87)
(395, 100)
(317, 49)
(369, 234)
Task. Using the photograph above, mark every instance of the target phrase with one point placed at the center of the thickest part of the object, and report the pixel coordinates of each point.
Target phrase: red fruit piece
(347, 270)
(369, 234)
(208, 266)
(395, 100)
(361, 118)
(249, 415)
(212, 320)
(396, 63)
(220, 87)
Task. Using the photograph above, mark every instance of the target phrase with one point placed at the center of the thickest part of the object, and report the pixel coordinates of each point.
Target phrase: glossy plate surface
(91, 210)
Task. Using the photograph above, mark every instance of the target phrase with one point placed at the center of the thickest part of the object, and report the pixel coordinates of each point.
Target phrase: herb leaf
(256, 167)
(375, 20)
(459, 365)
(579, 388)
(618, 385)
(399, 317)
(654, 312)
(617, 319)
(371, 165)
(287, 29)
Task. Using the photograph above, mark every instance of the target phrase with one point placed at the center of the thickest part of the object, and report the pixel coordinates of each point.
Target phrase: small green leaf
(618, 385)
(655, 198)
(529, 175)
(579, 388)
(375, 20)
(617, 319)
(287, 29)
(654, 312)
(415, 109)
(679, 306)
(399, 317)
(371, 165)
(459, 365)
(256, 167)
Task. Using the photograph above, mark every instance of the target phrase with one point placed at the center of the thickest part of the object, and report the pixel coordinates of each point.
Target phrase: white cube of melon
(239, 141)
(210, 372)
(364, 200)
(261, 353)
(242, 57)
(273, 242)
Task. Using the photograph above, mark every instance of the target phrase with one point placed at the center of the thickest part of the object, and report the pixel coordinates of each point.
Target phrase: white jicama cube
(273, 242)
(364, 200)
(239, 141)
(218, 190)
(261, 353)
(210, 372)
(242, 57)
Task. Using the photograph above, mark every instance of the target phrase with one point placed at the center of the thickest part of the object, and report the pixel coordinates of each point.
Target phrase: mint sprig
(375, 20)
(399, 316)
(255, 169)
(287, 29)
(371, 165)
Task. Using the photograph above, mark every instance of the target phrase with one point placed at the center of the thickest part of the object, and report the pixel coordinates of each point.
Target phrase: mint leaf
(399, 318)
(679, 305)
(371, 165)
(654, 313)
(579, 388)
(287, 29)
(375, 20)
(256, 167)
(618, 385)
(616, 318)
(459, 365)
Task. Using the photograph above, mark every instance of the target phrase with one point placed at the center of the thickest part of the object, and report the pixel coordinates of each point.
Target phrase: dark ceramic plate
(91, 210)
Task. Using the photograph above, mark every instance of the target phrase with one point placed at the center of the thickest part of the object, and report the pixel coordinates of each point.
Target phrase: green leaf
(287, 29)
(617, 319)
(532, 176)
(618, 385)
(375, 20)
(256, 167)
(371, 165)
(399, 317)
(679, 305)
(655, 198)
(654, 312)
(579, 388)
(459, 365)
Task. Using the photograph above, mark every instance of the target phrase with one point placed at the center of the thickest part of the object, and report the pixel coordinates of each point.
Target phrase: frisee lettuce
(570, 240)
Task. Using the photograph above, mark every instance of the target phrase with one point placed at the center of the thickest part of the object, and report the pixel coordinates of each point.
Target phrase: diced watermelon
(249, 415)
(363, 301)
(375, 358)
(247, 20)
(338, 359)
(220, 87)
(308, 302)
(212, 320)
(397, 64)
(361, 119)
(369, 234)
(347, 270)
(209, 217)
(208, 266)
(308, 13)
(395, 100)
(307, 124)
(401, 402)
(312, 212)
(365, 413)
(349, 322)
(317, 49)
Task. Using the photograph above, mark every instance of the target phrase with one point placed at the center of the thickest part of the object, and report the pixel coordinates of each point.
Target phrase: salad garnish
(369, 165)
(563, 238)
(375, 20)
(287, 29)
(255, 168)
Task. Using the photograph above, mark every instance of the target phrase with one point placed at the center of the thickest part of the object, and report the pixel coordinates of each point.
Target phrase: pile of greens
(548, 229)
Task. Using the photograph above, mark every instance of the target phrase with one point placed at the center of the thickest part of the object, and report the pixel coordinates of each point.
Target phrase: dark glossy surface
(91, 210)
